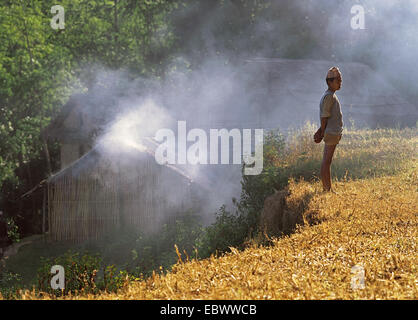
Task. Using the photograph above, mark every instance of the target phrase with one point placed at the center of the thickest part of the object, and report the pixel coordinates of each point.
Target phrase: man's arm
(328, 102)
(324, 122)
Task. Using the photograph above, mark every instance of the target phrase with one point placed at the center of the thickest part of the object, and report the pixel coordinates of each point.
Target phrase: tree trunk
(48, 158)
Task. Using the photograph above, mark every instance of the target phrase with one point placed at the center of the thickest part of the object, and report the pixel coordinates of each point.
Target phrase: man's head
(334, 79)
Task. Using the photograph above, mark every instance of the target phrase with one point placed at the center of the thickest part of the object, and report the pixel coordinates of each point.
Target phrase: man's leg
(326, 166)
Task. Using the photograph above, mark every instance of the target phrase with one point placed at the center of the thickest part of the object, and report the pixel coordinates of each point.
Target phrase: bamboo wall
(142, 195)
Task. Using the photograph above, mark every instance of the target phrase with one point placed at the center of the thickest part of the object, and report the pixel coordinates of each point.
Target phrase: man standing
(331, 124)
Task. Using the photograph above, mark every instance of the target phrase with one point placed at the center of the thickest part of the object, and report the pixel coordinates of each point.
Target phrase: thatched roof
(97, 156)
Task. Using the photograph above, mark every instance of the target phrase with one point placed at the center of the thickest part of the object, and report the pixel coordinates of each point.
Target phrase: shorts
(332, 139)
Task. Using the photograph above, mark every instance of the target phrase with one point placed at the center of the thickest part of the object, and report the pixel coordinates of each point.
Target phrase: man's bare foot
(329, 191)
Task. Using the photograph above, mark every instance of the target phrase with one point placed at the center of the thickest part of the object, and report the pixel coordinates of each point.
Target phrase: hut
(99, 190)
(100, 193)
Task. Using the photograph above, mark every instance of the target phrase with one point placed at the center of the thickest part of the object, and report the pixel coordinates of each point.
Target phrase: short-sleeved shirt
(330, 108)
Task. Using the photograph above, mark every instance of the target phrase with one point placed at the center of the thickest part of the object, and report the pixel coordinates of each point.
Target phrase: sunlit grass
(371, 220)
(361, 152)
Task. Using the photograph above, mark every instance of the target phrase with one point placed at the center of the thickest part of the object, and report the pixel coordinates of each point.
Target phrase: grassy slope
(372, 221)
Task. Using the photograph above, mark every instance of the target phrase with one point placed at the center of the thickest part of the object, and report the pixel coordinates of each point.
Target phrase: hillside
(369, 222)
(118, 179)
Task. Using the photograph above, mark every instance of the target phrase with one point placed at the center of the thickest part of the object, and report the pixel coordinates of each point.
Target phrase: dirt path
(14, 248)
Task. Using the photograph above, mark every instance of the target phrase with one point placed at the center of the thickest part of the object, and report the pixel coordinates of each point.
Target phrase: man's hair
(332, 74)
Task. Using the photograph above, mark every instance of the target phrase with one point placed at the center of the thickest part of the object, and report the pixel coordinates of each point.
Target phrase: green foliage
(236, 229)
(228, 230)
(9, 284)
(12, 230)
(83, 274)
(152, 253)
(41, 67)
(275, 173)
(108, 263)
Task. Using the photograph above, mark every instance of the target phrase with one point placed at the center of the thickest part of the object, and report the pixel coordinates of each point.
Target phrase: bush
(151, 253)
(228, 230)
(9, 284)
(81, 275)
(235, 229)
(12, 230)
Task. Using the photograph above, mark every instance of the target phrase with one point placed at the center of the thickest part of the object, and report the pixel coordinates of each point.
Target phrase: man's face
(336, 83)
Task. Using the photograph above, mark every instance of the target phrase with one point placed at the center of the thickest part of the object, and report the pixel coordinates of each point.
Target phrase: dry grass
(371, 222)
(361, 152)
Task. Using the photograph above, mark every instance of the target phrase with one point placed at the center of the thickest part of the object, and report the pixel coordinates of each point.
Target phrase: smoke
(208, 98)
(227, 89)
(388, 44)
(140, 120)
(310, 29)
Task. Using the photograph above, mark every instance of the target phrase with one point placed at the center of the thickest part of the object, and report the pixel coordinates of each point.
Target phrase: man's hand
(318, 136)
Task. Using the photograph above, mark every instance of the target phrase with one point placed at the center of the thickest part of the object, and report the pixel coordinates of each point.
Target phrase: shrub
(12, 230)
(81, 275)
(228, 230)
(9, 284)
(235, 229)
(151, 253)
